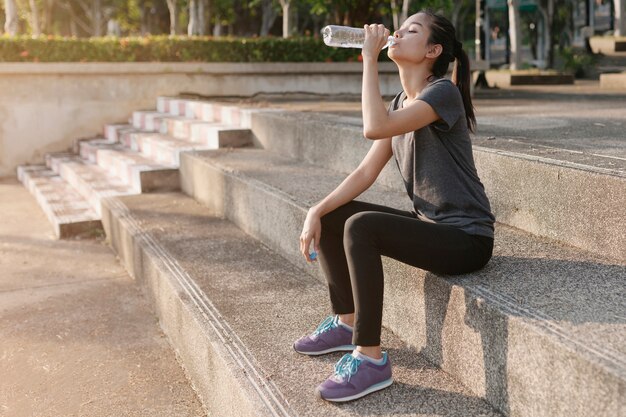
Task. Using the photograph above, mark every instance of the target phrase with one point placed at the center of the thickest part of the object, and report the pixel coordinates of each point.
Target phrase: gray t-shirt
(437, 164)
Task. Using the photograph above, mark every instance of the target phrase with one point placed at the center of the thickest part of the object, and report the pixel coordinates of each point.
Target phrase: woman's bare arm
(359, 180)
(355, 184)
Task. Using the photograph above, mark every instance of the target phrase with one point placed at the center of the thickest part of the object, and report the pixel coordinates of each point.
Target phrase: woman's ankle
(373, 352)
(347, 319)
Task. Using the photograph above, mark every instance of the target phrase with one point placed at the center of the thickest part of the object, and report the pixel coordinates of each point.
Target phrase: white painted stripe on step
(278, 406)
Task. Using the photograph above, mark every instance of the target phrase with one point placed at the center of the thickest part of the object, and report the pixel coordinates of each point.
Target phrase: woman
(450, 231)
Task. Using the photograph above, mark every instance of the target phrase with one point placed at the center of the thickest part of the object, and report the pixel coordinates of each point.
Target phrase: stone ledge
(507, 79)
(221, 68)
(607, 45)
(613, 81)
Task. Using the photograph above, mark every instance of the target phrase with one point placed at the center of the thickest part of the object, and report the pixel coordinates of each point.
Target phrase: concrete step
(89, 180)
(524, 332)
(547, 192)
(143, 174)
(147, 120)
(69, 212)
(210, 133)
(160, 148)
(113, 131)
(193, 130)
(232, 308)
(231, 114)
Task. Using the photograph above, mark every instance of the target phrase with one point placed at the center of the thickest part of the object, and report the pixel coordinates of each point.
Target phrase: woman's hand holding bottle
(376, 37)
(311, 231)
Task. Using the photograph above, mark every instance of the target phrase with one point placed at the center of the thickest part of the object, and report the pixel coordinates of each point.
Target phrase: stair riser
(112, 132)
(544, 198)
(148, 121)
(223, 388)
(179, 129)
(63, 229)
(503, 360)
(553, 201)
(231, 115)
(91, 189)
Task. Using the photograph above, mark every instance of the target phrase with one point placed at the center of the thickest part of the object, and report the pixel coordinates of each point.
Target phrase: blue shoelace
(347, 366)
(329, 323)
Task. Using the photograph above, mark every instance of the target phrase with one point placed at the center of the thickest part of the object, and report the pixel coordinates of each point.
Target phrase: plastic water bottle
(347, 37)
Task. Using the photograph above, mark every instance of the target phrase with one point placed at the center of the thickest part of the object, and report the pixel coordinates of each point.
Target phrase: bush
(173, 49)
(576, 61)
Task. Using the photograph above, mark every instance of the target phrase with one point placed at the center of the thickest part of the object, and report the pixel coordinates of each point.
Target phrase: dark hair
(442, 32)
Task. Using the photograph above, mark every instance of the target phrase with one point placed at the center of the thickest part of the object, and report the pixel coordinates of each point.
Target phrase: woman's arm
(359, 180)
(377, 123)
(354, 185)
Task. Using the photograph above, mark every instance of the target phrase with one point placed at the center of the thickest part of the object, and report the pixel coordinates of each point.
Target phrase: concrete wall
(44, 107)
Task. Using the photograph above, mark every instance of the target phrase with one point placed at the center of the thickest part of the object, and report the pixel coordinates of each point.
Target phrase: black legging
(355, 235)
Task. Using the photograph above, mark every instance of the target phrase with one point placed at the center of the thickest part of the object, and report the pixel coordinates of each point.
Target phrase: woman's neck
(414, 78)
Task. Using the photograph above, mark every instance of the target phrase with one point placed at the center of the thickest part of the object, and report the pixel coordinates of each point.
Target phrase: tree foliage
(86, 18)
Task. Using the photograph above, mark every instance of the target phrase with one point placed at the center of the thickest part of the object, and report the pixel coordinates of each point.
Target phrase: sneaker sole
(373, 388)
(344, 348)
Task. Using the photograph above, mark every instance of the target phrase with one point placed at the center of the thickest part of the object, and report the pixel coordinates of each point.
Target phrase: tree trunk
(97, 18)
(456, 12)
(34, 18)
(285, 4)
(620, 17)
(10, 24)
(405, 11)
(549, 39)
(192, 27)
(46, 23)
(395, 15)
(201, 21)
(171, 6)
(268, 18)
(217, 29)
(515, 34)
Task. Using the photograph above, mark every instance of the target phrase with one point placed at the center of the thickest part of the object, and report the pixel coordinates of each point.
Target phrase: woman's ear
(434, 51)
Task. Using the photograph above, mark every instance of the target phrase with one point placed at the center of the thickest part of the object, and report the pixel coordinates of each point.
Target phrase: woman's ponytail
(442, 32)
(461, 76)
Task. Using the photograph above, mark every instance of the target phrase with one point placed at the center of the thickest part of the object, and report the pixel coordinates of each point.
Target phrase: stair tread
(238, 275)
(65, 204)
(569, 294)
(129, 156)
(98, 180)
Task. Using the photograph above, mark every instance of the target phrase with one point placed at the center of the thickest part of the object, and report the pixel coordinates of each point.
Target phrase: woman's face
(411, 40)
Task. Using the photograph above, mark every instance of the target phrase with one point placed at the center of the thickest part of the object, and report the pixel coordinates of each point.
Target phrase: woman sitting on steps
(450, 229)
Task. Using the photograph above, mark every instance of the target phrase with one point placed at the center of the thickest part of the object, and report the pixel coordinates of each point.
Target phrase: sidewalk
(78, 337)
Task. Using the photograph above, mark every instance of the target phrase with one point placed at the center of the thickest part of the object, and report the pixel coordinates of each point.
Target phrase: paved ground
(78, 337)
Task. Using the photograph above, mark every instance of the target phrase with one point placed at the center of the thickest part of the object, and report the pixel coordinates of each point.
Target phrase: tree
(34, 18)
(172, 6)
(269, 15)
(285, 5)
(89, 18)
(515, 34)
(192, 27)
(10, 10)
(398, 19)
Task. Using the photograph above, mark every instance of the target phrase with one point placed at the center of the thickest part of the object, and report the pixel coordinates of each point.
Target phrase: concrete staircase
(142, 156)
(541, 330)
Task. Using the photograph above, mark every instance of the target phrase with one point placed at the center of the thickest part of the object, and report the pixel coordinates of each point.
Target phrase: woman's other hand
(376, 37)
(311, 231)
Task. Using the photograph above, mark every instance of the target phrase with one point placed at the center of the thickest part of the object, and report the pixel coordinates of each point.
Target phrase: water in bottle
(347, 37)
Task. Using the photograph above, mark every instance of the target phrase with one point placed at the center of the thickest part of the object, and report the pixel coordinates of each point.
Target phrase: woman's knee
(359, 225)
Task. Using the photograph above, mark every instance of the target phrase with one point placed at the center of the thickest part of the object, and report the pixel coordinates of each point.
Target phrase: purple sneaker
(330, 336)
(354, 378)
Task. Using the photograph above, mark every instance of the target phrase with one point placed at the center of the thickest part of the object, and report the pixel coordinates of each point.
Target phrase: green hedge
(173, 49)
